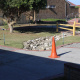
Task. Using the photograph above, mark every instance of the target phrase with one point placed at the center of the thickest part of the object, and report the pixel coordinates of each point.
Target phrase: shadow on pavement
(64, 53)
(19, 66)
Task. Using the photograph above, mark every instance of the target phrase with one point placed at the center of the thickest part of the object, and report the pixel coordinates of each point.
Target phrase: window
(50, 6)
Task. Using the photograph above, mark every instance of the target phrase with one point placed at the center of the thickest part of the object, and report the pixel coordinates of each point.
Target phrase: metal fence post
(4, 38)
(63, 38)
(74, 28)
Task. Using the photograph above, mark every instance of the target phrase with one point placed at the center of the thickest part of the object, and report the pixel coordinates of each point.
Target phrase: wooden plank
(77, 26)
(77, 23)
(37, 24)
(66, 28)
(66, 25)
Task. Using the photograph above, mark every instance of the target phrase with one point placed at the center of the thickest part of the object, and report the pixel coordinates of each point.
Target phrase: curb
(58, 47)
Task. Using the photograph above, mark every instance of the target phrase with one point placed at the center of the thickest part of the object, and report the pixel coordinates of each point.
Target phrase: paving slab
(35, 65)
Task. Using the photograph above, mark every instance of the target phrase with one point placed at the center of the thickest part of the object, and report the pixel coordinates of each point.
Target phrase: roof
(71, 4)
(78, 5)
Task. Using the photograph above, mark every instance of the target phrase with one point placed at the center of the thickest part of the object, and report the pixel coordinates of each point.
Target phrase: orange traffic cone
(53, 53)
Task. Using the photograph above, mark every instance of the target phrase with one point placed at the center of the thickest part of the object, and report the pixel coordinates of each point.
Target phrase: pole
(63, 38)
(4, 38)
(57, 27)
(74, 28)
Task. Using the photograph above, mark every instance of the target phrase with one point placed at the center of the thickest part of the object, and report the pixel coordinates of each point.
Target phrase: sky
(77, 2)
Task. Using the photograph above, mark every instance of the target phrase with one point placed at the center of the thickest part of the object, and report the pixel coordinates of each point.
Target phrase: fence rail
(65, 25)
(73, 26)
(66, 28)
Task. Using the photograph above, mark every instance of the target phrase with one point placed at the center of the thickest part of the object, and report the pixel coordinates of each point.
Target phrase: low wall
(72, 71)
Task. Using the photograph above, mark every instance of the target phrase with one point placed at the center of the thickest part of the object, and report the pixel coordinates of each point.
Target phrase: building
(79, 9)
(58, 9)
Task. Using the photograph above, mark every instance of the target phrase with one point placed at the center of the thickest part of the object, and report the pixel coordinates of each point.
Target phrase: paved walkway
(71, 22)
(16, 64)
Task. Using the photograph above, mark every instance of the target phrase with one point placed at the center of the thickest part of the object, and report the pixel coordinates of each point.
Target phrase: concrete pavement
(16, 64)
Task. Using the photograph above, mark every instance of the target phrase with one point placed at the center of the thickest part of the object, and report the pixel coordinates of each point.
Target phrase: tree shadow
(37, 29)
(53, 11)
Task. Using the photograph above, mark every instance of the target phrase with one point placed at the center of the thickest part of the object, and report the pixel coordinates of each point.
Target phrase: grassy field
(67, 40)
(22, 34)
(49, 19)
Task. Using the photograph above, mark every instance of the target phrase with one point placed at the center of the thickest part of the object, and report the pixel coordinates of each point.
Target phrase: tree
(37, 5)
(12, 9)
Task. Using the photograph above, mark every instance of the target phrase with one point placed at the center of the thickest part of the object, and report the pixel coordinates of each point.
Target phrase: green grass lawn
(67, 40)
(20, 35)
(49, 19)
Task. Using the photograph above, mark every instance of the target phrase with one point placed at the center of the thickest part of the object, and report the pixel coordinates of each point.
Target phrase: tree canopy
(14, 8)
(39, 4)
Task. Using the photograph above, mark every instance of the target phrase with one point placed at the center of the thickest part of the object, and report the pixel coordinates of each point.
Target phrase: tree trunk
(34, 16)
(10, 24)
(11, 27)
